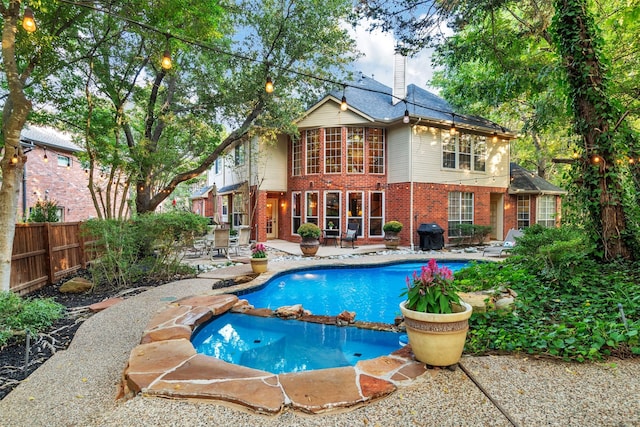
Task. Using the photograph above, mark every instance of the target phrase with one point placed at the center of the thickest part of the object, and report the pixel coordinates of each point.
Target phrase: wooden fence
(44, 253)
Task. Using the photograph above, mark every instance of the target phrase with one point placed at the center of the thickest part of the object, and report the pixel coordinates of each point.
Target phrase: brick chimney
(399, 78)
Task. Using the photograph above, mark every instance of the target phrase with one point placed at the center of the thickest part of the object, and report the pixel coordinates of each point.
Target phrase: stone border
(165, 364)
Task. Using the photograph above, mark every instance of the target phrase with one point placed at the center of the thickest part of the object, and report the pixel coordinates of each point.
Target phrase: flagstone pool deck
(83, 385)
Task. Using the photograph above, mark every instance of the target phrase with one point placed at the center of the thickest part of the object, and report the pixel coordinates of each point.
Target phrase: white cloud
(377, 62)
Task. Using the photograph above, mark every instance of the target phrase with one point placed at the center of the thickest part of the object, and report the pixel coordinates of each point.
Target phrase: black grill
(431, 236)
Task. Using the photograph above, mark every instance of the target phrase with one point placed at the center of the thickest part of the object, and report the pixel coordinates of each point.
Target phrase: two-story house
(53, 172)
(369, 154)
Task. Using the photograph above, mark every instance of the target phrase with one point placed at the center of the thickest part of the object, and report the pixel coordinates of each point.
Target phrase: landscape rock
(77, 285)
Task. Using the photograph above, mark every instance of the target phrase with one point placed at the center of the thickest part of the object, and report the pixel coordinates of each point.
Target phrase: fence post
(48, 258)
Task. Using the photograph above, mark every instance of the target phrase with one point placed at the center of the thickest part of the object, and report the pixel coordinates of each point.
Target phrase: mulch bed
(15, 366)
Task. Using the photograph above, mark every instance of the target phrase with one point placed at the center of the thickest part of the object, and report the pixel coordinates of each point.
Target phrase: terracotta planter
(437, 339)
(309, 246)
(391, 239)
(259, 265)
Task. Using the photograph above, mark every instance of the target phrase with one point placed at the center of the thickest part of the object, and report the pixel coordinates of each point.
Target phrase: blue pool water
(277, 346)
(373, 292)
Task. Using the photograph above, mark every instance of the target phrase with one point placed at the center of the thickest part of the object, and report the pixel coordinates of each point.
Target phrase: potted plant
(259, 258)
(310, 233)
(330, 225)
(435, 317)
(391, 230)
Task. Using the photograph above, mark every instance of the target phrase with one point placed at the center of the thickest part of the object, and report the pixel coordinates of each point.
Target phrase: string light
(28, 20)
(167, 57)
(45, 158)
(406, 118)
(14, 159)
(268, 87)
(452, 131)
(495, 137)
(343, 103)
(166, 62)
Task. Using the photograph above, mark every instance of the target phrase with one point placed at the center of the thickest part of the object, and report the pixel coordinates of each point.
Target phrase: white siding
(270, 165)
(398, 154)
(330, 115)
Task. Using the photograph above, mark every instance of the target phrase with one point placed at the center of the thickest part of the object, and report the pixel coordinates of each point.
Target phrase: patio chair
(351, 235)
(242, 240)
(220, 242)
(506, 246)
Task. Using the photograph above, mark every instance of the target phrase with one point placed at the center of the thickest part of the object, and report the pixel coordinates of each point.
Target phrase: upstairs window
(312, 138)
(239, 155)
(64, 161)
(333, 150)
(375, 141)
(464, 151)
(296, 154)
(355, 150)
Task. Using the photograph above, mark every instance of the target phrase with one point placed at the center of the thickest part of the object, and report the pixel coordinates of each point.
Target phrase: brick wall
(67, 186)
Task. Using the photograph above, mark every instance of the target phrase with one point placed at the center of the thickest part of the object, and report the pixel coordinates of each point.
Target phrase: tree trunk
(14, 115)
(595, 119)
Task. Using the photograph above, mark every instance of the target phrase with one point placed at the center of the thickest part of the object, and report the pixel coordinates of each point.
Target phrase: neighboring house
(53, 172)
(393, 154)
(536, 200)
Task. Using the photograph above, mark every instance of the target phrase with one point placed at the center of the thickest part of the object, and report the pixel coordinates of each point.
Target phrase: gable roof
(201, 193)
(526, 182)
(49, 137)
(373, 99)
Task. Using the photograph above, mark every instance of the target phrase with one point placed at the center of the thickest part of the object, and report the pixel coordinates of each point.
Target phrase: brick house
(388, 154)
(53, 172)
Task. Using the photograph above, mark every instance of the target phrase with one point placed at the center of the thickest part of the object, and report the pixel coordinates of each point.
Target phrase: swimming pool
(372, 291)
(278, 346)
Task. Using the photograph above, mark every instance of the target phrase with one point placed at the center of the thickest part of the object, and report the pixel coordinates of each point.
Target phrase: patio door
(272, 218)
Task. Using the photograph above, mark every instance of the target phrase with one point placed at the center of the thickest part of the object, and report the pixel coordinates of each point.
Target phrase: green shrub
(309, 230)
(149, 247)
(44, 211)
(18, 314)
(573, 318)
(393, 226)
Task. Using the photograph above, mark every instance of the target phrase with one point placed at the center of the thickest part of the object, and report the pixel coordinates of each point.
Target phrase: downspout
(24, 192)
(411, 218)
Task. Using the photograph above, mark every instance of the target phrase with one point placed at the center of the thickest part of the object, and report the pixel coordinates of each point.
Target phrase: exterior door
(272, 218)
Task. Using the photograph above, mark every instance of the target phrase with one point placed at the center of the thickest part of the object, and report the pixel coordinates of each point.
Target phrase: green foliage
(484, 276)
(433, 290)
(44, 211)
(309, 230)
(393, 226)
(470, 233)
(149, 247)
(18, 314)
(556, 251)
(572, 314)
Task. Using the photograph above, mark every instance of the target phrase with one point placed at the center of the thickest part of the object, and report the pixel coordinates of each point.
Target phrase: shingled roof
(48, 137)
(527, 182)
(375, 100)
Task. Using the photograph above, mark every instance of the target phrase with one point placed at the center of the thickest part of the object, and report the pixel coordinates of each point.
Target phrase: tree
(156, 127)
(493, 37)
(171, 125)
(26, 58)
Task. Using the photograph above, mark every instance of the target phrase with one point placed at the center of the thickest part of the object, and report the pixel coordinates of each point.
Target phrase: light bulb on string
(14, 159)
(45, 157)
(343, 103)
(268, 87)
(452, 131)
(28, 20)
(406, 119)
(166, 62)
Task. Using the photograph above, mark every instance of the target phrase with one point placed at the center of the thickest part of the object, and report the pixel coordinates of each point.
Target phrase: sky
(377, 62)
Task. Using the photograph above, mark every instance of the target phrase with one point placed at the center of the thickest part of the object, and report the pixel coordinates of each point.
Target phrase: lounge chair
(351, 235)
(506, 246)
(220, 241)
(242, 240)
